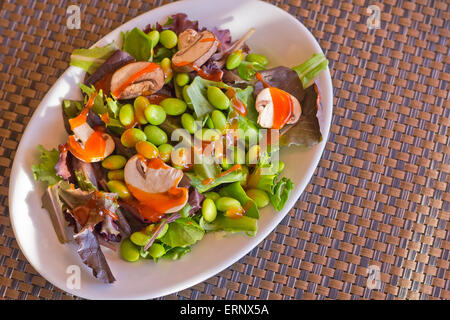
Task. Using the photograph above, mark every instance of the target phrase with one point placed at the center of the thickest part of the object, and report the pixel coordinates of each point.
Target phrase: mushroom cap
(151, 180)
(195, 49)
(78, 142)
(147, 83)
(265, 107)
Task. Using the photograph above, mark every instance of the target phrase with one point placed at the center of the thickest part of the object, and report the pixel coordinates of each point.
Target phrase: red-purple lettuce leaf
(92, 255)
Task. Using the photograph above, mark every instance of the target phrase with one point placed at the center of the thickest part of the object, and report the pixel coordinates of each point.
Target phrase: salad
(178, 135)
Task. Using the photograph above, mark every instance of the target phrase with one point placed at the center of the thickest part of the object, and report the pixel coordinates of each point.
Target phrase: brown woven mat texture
(379, 198)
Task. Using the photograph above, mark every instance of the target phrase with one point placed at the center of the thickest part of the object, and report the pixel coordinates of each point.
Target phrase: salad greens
(147, 164)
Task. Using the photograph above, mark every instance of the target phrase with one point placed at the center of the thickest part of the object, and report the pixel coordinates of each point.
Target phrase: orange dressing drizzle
(236, 167)
(237, 104)
(234, 213)
(151, 67)
(82, 213)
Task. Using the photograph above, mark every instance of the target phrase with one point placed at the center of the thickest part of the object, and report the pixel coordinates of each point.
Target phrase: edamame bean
(132, 136)
(164, 151)
(234, 59)
(114, 162)
(139, 238)
(174, 106)
(253, 155)
(186, 97)
(168, 39)
(219, 120)
(155, 135)
(129, 251)
(281, 166)
(227, 203)
(115, 175)
(126, 115)
(182, 79)
(150, 229)
(258, 58)
(259, 196)
(181, 158)
(154, 37)
(156, 250)
(166, 65)
(209, 210)
(217, 98)
(155, 114)
(188, 122)
(147, 149)
(120, 188)
(140, 104)
(205, 134)
(212, 195)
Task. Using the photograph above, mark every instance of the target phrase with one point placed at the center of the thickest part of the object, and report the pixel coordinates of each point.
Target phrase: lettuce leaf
(45, 169)
(311, 68)
(245, 223)
(182, 232)
(176, 253)
(236, 191)
(281, 192)
(233, 176)
(197, 94)
(137, 43)
(91, 59)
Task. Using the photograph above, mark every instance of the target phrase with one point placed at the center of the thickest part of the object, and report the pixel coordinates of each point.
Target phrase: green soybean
(217, 98)
(150, 229)
(154, 37)
(139, 238)
(120, 188)
(219, 120)
(115, 175)
(186, 97)
(253, 154)
(174, 106)
(114, 162)
(188, 122)
(227, 203)
(258, 58)
(182, 79)
(209, 210)
(212, 195)
(140, 104)
(147, 149)
(260, 197)
(126, 115)
(164, 151)
(168, 39)
(155, 114)
(132, 136)
(155, 135)
(209, 135)
(234, 59)
(166, 65)
(156, 250)
(129, 251)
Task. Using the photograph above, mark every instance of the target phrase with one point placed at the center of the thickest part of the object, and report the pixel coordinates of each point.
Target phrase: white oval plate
(280, 37)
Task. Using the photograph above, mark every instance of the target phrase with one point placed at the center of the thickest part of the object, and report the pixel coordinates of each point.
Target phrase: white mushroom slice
(83, 132)
(151, 81)
(266, 109)
(150, 180)
(197, 48)
(77, 145)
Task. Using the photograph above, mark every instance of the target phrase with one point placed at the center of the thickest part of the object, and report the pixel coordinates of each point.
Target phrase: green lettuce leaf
(90, 59)
(281, 193)
(243, 224)
(182, 232)
(246, 97)
(84, 183)
(234, 176)
(197, 94)
(137, 43)
(45, 169)
(236, 191)
(176, 253)
(311, 68)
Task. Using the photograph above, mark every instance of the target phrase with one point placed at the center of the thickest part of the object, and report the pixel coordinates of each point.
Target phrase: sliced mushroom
(155, 185)
(137, 78)
(195, 49)
(266, 108)
(86, 144)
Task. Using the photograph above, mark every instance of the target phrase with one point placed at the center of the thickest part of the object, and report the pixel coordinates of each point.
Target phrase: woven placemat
(379, 197)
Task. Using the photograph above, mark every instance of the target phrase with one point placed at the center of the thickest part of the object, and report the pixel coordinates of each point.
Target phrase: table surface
(379, 197)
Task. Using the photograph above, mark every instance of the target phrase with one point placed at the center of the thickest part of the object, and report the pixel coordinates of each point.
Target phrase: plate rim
(225, 263)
